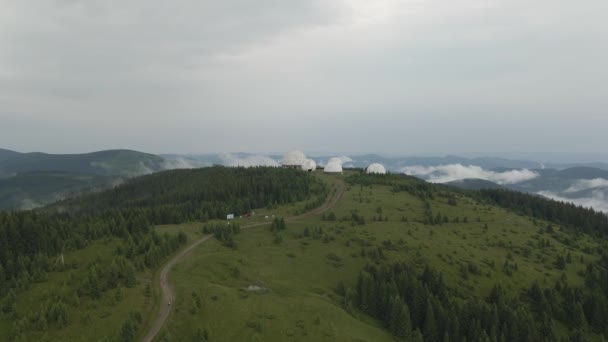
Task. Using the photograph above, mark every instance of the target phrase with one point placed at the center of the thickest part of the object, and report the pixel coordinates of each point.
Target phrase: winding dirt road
(167, 293)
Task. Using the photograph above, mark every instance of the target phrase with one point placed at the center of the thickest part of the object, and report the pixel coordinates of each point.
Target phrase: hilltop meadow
(388, 257)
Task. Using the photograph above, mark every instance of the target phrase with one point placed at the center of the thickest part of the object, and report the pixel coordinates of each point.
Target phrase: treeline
(585, 220)
(202, 194)
(418, 306)
(398, 182)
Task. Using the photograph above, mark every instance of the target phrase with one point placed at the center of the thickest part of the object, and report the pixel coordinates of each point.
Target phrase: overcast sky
(404, 77)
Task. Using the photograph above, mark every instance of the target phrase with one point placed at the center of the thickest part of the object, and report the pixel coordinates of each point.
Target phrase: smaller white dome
(376, 168)
(309, 165)
(293, 158)
(333, 167)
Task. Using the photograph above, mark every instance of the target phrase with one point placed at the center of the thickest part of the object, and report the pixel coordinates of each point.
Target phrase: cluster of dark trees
(331, 216)
(128, 330)
(278, 224)
(581, 308)
(225, 233)
(51, 314)
(30, 242)
(431, 218)
(357, 219)
(416, 305)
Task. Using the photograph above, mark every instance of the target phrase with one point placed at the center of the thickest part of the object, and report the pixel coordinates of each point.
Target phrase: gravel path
(167, 293)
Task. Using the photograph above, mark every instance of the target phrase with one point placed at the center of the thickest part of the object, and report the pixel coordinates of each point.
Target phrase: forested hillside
(31, 242)
(110, 162)
(200, 194)
(418, 304)
(32, 180)
(34, 189)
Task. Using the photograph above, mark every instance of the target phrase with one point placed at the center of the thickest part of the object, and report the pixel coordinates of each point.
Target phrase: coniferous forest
(31, 241)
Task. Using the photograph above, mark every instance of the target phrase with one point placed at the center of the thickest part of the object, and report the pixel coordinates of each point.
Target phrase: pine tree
(560, 262)
(127, 331)
(429, 330)
(201, 335)
(404, 327)
(148, 291)
(578, 316)
(417, 336)
(9, 305)
(118, 295)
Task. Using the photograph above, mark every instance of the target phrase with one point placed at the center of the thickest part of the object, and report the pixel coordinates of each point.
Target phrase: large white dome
(334, 160)
(376, 168)
(309, 165)
(333, 167)
(294, 158)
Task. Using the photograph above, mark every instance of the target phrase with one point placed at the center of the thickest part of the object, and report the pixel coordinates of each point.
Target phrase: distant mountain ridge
(474, 184)
(41, 177)
(29, 180)
(393, 164)
(6, 154)
(583, 172)
(126, 163)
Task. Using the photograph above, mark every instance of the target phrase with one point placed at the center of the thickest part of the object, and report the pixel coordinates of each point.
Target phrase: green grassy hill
(394, 259)
(301, 287)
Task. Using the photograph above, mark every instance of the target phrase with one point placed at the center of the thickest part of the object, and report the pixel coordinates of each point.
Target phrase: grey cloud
(77, 48)
(353, 76)
(248, 161)
(179, 162)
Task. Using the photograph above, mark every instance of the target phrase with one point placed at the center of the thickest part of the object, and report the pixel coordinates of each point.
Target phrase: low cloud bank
(182, 163)
(29, 204)
(142, 169)
(454, 172)
(584, 184)
(597, 201)
(232, 160)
